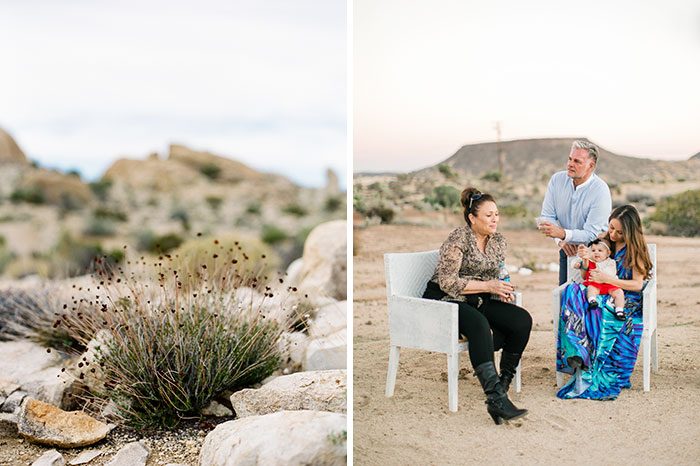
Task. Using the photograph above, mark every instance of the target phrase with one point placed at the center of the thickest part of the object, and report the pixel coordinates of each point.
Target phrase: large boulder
(47, 425)
(315, 390)
(327, 352)
(57, 188)
(10, 151)
(324, 270)
(28, 367)
(292, 438)
(227, 170)
(154, 174)
(329, 319)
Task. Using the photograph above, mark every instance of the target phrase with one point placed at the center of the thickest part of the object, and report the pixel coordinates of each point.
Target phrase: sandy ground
(658, 427)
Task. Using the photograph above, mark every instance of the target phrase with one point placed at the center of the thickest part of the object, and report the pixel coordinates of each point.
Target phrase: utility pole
(501, 155)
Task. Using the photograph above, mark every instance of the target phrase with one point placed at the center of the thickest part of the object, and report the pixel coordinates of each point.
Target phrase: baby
(599, 258)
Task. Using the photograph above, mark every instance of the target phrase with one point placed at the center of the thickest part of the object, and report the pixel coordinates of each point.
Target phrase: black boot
(509, 364)
(498, 405)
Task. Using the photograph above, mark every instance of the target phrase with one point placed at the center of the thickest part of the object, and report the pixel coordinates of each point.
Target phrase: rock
(132, 454)
(228, 170)
(329, 319)
(96, 350)
(47, 425)
(13, 401)
(292, 347)
(86, 456)
(56, 187)
(324, 271)
(217, 409)
(33, 370)
(294, 272)
(7, 386)
(8, 421)
(152, 174)
(288, 437)
(316, 391)
(524, 271)
(50, 458)
(327, 353)
(10, 151)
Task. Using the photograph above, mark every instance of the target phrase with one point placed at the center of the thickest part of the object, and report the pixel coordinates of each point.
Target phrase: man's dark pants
(563, 266)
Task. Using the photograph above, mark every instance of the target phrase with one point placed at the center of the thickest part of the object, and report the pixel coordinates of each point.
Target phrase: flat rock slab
(328, 352)
(50, 458)
(132, 454)
(315, 390)
(47, 425)
(86, 457)
(292, 438)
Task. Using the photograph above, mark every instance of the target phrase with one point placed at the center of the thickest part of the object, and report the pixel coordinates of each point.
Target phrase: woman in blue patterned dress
(592, 344)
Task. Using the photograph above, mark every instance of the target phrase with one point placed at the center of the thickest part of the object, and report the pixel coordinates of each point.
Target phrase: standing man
(579, 201)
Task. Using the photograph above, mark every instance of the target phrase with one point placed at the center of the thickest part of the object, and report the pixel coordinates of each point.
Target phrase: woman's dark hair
(471, 199)
(637, 252)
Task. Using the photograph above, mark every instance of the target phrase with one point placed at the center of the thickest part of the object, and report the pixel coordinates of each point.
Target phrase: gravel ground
(181, 445)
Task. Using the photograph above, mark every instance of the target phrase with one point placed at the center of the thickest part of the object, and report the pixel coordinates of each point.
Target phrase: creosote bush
(679, 213)
(177, 342)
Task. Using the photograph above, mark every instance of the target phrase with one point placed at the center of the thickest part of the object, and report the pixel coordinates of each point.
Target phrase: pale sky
(431, 76)
(263, 82)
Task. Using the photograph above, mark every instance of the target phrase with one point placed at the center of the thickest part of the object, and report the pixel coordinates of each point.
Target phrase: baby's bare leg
(592, 292)
(619, 297)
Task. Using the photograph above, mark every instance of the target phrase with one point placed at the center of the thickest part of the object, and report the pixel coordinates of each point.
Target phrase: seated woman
(467, 274)
(592, 344)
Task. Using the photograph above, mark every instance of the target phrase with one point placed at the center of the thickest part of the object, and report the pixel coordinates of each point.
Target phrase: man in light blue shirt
(577, 204)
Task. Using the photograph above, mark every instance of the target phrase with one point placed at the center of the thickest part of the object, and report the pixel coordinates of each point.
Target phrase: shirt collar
(585, 183)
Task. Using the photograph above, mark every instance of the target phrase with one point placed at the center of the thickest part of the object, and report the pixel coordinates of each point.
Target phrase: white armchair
(650, 348)
(420, 323)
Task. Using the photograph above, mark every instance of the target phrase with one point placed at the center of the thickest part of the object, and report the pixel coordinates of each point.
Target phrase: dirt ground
(659, 427)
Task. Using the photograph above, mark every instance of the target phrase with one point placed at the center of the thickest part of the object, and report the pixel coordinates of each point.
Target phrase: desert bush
(210, 170)
(513, 210)
(295, 209)
(70, 257)
(254, 208)
(635, 198)
(101, 189)
(386, 214)
(214, 202)
(147, 241)
(358, 204)
(5, 256)
(680, 213)
(444, 196)
(29, 195)
(493, 175)
(179, 213)
(110, 214)
(172, 349)
(333, 203)
(100, 226)
(272, 234)
(446, 170)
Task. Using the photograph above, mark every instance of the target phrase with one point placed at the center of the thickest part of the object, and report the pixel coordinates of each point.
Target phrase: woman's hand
(600, 277)
(502, 288)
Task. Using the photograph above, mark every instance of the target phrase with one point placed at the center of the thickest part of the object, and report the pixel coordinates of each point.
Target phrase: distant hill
(10, 151)
(532, 160)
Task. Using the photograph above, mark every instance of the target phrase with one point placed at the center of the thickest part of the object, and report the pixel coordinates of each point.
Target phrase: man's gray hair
(587, 146)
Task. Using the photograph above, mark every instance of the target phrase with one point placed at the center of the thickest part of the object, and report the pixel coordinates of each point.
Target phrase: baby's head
(600, 249)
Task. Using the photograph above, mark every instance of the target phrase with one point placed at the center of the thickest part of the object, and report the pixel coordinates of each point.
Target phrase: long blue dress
(607, 346)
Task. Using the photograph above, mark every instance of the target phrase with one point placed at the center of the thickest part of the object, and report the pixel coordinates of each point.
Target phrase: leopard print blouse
(461, 260)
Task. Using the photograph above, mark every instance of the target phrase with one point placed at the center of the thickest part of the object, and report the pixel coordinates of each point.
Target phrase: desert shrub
(634, 198)
(445, 196)
(6, 256)
(272, 234)
(358, 204)
(101, 189)
(210, 170)
(493, 175)
(214, 202)
(446, 170)
(147, 241)
(254, 208)
(513, 210)
(179, 213)
(170, 350)
(333, 203)
(70, 257)
(295, 209)
(680, 213)
(100, 226)
(111, 214)
(29, 195)
(385, 214)
(37, 315)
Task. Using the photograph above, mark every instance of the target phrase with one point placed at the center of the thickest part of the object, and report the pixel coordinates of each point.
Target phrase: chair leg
(393, 368)
(655, 351)
(560, 378)
(452, 376)
(646, 359)
(517, 377)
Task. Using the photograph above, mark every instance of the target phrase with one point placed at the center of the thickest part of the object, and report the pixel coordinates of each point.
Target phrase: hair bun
(466, 194)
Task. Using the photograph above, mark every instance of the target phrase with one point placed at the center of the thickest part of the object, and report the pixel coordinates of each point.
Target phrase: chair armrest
(649, 305)
(423, 323)
(556, 305)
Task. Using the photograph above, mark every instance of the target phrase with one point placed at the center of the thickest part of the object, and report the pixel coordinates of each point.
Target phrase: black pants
(509, 324)
(563, 266)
